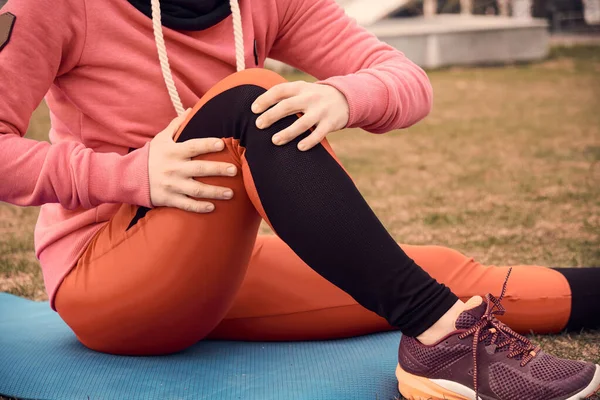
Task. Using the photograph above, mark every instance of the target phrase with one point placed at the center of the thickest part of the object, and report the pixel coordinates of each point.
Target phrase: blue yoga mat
(40, 358)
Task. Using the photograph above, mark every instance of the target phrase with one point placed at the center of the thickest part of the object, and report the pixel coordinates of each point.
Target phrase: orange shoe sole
(414, 387)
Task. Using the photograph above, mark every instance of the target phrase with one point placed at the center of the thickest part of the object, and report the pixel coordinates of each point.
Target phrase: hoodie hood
(187, 15)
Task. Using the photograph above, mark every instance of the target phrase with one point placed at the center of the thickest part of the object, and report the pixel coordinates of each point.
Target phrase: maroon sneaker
(484, 359)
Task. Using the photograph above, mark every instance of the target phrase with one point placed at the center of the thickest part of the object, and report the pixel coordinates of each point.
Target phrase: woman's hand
(322, 105)
(172, 171)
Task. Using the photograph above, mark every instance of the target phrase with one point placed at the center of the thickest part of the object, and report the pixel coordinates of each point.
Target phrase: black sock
(585, 297)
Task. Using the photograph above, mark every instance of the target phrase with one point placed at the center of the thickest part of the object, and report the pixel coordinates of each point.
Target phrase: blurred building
(562, 15)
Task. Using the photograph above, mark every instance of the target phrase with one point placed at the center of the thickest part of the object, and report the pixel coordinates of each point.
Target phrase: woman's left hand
(322, 105)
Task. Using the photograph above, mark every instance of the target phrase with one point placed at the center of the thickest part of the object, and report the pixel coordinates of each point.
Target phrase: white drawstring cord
(238, 34)
(163, 58)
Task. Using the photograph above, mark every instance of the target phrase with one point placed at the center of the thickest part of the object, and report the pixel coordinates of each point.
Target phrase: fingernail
(254, 107)
(210, 207)
(302, 146)
(231, 170)
(259, 123)
(219, 145)
(228, 194)
(276, 139)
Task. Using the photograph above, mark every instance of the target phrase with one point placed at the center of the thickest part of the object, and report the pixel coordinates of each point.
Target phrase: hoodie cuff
(116, 178)
(358, 96)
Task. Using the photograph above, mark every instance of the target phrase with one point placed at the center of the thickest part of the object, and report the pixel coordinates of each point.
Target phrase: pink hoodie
(97, 65)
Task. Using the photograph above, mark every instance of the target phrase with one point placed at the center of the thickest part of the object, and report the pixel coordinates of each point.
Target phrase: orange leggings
(176, 277)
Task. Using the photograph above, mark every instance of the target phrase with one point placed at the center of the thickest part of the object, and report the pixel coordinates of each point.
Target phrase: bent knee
(226, 109)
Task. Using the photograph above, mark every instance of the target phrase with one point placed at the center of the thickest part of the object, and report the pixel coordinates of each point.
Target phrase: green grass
(505, 169)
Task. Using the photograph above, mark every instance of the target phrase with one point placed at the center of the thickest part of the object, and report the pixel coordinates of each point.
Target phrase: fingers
(201, 168)
(191, 205)
(195, 147)
(300, 126)
(281, 110)
(276, 94)
(171, 169)
(199, 190)
(315, 137)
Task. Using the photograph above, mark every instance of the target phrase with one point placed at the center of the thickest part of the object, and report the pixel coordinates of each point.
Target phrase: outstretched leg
(282, 298)
(538, 299)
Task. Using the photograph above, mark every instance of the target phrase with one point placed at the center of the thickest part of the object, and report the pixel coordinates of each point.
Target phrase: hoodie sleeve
(46, 42)
(384, 89)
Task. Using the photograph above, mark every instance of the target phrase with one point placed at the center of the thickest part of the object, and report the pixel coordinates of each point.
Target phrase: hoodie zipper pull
(255, 53)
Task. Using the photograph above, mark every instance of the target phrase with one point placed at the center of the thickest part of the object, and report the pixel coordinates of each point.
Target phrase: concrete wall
(459, 40)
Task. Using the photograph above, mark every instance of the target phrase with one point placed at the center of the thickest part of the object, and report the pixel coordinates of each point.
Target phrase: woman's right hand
(171, 171)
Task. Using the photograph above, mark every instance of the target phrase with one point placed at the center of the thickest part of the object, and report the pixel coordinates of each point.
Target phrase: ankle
(443, 326)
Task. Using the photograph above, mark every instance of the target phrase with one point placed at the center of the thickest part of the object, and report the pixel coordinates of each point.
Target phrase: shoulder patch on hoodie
(7, 22)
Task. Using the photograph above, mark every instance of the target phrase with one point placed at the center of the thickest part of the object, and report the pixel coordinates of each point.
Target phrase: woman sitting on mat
(148, 236)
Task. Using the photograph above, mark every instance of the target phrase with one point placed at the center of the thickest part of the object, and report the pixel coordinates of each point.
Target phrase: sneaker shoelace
(501, 335)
